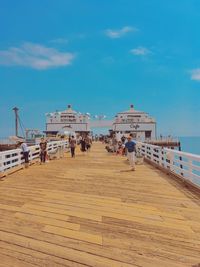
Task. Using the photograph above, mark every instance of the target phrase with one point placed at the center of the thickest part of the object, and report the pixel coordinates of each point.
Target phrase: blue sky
(101, 56)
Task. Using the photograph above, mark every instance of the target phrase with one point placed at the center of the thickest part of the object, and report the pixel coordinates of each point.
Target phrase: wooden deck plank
(64, 211)
(88, 212)
(47, 221)
(91, 238)
(59, 251)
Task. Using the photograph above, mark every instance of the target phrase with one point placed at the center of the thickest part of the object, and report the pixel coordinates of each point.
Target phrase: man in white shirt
(130, 148)
(25, 149)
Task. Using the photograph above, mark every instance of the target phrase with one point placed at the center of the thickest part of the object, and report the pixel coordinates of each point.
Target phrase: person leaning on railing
(25, 150)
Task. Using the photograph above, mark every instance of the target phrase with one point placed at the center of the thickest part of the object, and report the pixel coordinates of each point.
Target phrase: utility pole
(16, 120)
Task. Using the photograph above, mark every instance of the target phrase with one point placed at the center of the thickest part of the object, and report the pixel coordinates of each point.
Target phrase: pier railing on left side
(13, 158)
(186, 165)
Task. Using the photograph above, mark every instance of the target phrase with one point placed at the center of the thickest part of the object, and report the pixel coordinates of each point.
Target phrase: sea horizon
(190, 144)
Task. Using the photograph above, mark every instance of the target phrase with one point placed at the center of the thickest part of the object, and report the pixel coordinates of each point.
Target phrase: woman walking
(83, 145)
(43, 151)
(72, 144)
(88, 143)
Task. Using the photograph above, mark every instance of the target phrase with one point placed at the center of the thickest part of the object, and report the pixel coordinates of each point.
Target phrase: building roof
(131, 111)
(69, 110)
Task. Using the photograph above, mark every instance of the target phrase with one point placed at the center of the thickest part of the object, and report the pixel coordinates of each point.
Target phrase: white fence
(13, 158)
(184, 164)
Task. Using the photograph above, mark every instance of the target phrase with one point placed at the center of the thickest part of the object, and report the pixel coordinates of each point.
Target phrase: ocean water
(190, 144)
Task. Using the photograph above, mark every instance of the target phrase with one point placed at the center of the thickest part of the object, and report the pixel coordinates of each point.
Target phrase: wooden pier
(90, 211)
(166, 143)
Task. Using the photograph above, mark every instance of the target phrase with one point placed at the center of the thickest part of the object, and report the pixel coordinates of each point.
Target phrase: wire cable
(21, 126)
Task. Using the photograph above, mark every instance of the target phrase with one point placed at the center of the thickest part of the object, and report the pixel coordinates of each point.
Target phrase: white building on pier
(139, 123)
(67, 120)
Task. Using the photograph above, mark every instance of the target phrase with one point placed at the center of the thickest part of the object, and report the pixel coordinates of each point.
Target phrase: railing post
(19, 156)
(170, 158)
(145, 151)
(30, 155)
(190, 169)
(2, 160)
(160, 157)
(163, 157)
(151, 154)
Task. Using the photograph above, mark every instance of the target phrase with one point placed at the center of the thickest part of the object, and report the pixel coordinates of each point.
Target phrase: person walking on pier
(83, 144)
(88, 142)
(130, 148)
(114, 143)
(25, 150)
(43, 151)
(72, 144)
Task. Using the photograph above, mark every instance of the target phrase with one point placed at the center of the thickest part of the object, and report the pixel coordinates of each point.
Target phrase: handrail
(186, 165)
(12, 158)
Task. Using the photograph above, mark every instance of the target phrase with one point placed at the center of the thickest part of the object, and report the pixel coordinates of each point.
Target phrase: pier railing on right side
(185, 165)
(13, 158)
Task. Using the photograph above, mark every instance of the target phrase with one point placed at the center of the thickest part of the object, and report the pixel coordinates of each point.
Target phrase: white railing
(13, 158)
(184, 164)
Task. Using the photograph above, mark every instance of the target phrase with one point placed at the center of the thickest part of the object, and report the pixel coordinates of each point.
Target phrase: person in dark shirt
(123, 139)
(130, 149)
(83, 145)
(72, 144)
(88, 143)
(43, 150)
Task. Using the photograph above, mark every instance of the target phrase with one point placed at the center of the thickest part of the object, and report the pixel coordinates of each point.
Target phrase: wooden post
(15, 109)
(181, 166)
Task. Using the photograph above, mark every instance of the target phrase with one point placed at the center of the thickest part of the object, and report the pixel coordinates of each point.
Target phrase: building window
(147, 134)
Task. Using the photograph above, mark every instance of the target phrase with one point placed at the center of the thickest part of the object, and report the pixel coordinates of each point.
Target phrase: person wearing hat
(130, 148)
(25, 149)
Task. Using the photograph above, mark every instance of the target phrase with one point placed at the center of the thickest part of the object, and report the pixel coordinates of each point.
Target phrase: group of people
(26, 151)
(85, 143)
(126, 146)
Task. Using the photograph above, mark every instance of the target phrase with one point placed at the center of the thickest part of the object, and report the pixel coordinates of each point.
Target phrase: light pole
(15, 109)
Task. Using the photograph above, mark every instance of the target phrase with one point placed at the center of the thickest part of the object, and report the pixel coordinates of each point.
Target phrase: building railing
(13, 158)
(184, 164)
(137, 120)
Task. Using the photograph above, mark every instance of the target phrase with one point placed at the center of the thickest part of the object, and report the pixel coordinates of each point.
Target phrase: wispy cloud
(140, 51)
(59, 41)
(35, 56)
(195, 74)
(114, 34)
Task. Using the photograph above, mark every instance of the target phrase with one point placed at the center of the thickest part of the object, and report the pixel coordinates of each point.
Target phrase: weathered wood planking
(90, 211)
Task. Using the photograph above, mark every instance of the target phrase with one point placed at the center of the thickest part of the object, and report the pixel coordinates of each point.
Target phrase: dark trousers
(43, 155)
(26, 154)
(88, 146)
(72, 152)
